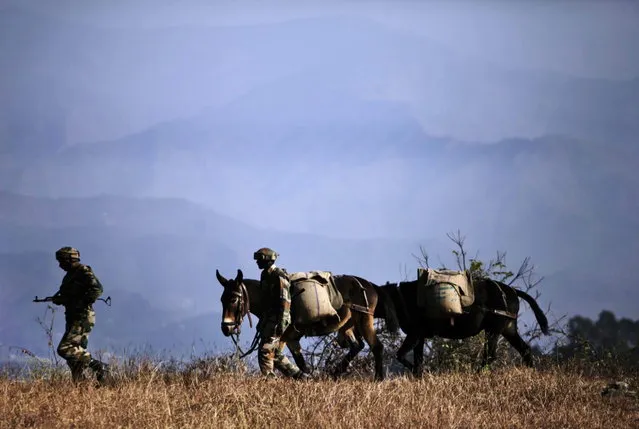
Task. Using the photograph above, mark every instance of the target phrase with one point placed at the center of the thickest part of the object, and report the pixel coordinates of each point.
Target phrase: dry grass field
(216, 397)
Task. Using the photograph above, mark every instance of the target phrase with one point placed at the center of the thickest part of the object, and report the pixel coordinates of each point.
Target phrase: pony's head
(235, 303)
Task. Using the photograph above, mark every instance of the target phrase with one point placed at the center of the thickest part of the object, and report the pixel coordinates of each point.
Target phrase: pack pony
(361, 304)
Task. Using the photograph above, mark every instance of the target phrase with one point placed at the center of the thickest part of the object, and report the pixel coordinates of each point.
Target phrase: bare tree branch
(461, 254)
(403, 274)
(48, 328)
(422, 259)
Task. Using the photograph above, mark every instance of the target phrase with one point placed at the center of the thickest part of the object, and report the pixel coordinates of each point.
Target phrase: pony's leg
(418, 358)
(490, 349)
(356, 344)
(409, 343)
(367, 328)
(515, 340)
(296, 351)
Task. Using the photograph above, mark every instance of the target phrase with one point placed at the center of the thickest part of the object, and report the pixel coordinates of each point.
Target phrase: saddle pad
(321, 276)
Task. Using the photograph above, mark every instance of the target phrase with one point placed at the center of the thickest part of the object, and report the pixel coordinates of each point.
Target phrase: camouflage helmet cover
(67, 253)
(265, 254)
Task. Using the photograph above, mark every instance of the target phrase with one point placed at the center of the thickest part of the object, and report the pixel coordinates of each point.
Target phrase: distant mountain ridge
(125, 80)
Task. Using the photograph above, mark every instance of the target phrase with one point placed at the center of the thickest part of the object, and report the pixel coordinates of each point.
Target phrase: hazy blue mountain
(221, 150)
(528, 189)
(268, 150)
(104, 83)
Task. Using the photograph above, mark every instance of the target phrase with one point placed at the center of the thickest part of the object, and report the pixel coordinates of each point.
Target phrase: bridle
(243, 309)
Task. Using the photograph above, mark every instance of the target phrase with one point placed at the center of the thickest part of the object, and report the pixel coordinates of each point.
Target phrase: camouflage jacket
(80, 288)
(276, 293)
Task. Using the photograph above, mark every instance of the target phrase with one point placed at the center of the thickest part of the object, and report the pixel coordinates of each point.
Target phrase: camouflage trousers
(73, 345)
(270, 355)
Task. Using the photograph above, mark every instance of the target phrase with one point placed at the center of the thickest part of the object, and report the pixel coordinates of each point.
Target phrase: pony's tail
(541, 317)
(390, 314)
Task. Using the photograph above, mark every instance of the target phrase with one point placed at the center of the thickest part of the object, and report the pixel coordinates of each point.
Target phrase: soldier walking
(275, 288)
(80, 288)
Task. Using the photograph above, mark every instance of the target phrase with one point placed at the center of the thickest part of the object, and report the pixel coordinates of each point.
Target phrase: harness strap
(503, 296)
(504, 313)
(247, 302)
(359, 307)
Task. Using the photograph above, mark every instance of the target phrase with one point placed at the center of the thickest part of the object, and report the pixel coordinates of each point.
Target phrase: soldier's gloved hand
(85, 302)
(57, 300)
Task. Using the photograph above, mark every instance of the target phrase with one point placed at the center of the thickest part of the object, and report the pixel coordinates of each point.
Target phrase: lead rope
(252, 347)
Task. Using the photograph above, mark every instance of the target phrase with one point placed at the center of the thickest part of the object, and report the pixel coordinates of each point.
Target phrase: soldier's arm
(285, 299)
(58, 298)
(93, 287)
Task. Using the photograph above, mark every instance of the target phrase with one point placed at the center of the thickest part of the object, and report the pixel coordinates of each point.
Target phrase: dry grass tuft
(208, 394)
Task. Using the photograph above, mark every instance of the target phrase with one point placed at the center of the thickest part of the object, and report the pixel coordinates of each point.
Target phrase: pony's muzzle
(229, 329)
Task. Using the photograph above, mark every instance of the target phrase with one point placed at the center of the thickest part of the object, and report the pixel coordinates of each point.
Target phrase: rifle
(106, 300)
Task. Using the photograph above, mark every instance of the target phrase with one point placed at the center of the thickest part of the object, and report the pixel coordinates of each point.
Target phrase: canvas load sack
(444, 292)
(314, 297)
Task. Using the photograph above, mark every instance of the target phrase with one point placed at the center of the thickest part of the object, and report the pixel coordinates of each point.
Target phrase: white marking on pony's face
(228, 320)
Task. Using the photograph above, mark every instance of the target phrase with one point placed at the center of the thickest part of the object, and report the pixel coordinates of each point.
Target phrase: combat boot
(99, 368)
(77, 371)
(301, 376)
(269, 376)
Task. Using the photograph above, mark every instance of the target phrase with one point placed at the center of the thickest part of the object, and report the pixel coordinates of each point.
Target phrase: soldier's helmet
(265, 254)
(67, 254)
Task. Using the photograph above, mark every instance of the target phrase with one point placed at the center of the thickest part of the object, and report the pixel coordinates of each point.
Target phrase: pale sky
(590, 39)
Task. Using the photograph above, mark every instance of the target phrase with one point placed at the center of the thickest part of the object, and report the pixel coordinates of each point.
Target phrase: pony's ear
(240, 277)
(220, 278)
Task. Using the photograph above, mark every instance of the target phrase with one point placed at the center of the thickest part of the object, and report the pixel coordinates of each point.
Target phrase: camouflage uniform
(80, 288)
(276, 317)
